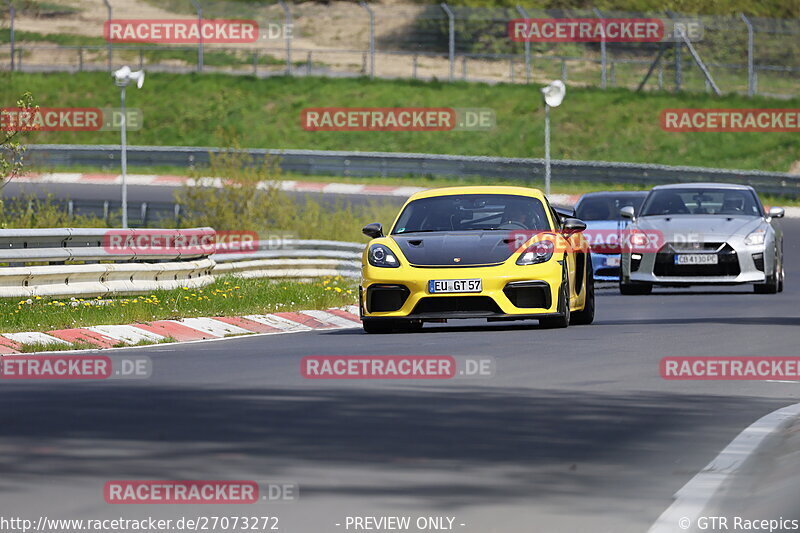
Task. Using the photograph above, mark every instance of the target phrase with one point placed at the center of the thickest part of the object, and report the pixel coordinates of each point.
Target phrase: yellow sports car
(500, 253)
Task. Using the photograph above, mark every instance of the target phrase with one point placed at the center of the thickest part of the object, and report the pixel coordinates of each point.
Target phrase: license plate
(612, 261)
(454, 285)
(696, 259)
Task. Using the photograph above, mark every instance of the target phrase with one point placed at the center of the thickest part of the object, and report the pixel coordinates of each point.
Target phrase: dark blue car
(600, 211)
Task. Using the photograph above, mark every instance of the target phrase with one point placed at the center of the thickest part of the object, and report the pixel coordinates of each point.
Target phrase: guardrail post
(255, 63)
(11, 14)
(751, 85)
(110, 45)
(464, 68)
(80, 59)
(287, 23)
(308, 64)
(371, 38)
(564, 70)
(141, 59)
(414, 68)
(603, 75)
(199, 10)
(527, 46)
(451, 36)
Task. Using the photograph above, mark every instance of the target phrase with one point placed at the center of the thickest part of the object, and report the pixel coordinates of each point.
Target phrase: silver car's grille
(689, 247)
(727, 265)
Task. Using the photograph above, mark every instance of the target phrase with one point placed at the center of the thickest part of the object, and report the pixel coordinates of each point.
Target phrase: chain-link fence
(727, 53)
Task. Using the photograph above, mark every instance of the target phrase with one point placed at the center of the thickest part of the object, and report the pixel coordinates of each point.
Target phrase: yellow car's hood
(456, 248)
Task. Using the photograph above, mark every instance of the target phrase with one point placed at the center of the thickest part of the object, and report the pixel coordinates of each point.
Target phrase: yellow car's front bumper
(498, 282)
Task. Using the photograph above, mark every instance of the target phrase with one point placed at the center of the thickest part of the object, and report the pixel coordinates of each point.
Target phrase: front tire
(561, 321)
(585, 316)
(772, 286)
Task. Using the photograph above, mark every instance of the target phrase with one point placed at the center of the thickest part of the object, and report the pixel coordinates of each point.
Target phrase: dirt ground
(334, 36)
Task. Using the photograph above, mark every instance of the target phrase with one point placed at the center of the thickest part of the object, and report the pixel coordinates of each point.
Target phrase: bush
(251, 200)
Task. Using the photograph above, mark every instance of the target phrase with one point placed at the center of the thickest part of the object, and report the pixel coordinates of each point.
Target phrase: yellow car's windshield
(473, 212)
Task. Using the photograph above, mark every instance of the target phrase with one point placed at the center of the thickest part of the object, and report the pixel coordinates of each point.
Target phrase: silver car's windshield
(730, 202)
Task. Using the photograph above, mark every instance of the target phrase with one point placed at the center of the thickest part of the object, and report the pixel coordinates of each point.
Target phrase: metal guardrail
(294, 259)
(390, 164)
(135, 273)
(58, 245)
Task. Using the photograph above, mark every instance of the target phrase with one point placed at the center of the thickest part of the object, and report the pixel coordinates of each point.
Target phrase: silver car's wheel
(774, 283)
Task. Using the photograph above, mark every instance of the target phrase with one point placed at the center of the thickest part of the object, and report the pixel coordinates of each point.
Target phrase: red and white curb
(178, 181)
(187, 329)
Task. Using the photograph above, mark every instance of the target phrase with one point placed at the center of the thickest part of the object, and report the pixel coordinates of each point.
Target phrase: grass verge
(225, 297)
(593, 124)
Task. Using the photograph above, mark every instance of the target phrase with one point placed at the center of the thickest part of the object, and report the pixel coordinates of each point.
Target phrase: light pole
(122, 78)
(553, 96)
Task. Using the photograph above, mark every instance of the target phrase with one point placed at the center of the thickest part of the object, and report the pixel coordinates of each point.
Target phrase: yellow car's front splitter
(403, 292)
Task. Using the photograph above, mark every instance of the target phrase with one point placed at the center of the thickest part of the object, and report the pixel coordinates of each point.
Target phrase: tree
(11, 149)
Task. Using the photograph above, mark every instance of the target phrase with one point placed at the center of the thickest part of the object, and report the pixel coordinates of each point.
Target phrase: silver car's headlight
(756, 238)
(381, 256)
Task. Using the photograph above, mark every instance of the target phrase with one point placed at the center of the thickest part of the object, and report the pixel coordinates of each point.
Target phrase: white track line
(279, 322)
(33, 337)
(330, 318)
(692, 498)
(210, 326)
(127, 333)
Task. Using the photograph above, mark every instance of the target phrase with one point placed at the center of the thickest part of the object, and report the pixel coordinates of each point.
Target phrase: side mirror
(776, 212)
(573, 225)
(627, 212)
(373, 231)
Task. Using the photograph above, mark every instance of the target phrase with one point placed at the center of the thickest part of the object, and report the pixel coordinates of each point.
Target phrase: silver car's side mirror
(776, 212)
(627, 212)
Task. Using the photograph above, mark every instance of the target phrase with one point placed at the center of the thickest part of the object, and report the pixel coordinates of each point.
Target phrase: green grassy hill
(211, 110)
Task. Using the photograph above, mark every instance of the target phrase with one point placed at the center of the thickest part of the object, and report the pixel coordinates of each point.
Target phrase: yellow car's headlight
(381, 256)
(538, 252)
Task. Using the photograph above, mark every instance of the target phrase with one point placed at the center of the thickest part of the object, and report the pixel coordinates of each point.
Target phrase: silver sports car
(702, 233)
